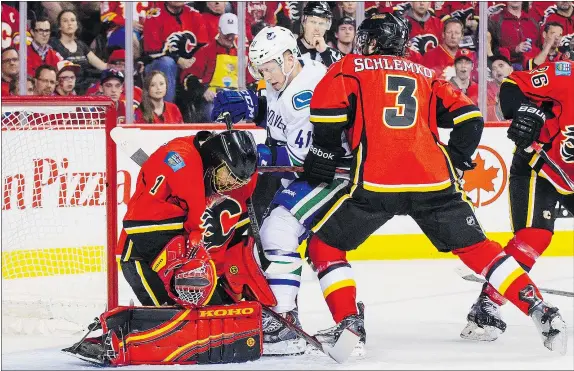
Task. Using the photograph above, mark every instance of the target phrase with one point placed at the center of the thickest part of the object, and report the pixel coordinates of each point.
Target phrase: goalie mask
(382, 34)
(229, 159)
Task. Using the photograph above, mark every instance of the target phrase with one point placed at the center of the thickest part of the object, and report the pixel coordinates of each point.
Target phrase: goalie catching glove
(187, 271)
(526, 125)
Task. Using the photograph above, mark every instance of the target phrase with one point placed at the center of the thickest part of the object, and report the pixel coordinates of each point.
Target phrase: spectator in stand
(513, 29)
(76, 51)
(112, 86)
(500, 69)
(551, 35)
(172, 33)
(425, 27)
(112, 15)
(345, 35)
(15, 89)
(213, 10)
(215, 69)
(10, 25)
(441, 58)
(540, 10)
(39, 52)
(565, 16)
(45, 80)
(66, 77)
(463, 66)
(10, 68)
(343, 9)
(153, 108)
(259, 14)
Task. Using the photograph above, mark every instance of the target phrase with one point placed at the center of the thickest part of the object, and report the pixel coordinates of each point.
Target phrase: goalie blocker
(174, 335)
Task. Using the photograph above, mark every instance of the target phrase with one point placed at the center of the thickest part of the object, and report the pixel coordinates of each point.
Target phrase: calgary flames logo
(219, 220)
(567, 145)
(423, 43)
(486, 183)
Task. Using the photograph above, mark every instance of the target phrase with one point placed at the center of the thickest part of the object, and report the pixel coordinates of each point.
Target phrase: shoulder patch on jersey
(562, 69)
(302, 99)
(174, 160)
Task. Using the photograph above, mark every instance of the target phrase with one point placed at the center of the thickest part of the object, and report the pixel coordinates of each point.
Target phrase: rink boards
(85, 208)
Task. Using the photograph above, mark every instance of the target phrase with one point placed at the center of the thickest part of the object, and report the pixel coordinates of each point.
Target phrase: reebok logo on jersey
(319, 153)
(302, 99)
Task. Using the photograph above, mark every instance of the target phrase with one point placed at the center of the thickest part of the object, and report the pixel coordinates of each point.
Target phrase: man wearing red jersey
(441, 58)
(182, 245)
(426, 29)
(539, 104)
(10, 61)
(39, 52)
(411, 106)
(172, 33)
(10, 25)
(565, 16)
(551, 37)
(462, 80)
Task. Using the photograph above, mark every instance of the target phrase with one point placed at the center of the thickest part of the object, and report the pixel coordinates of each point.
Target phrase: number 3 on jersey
(404, 113)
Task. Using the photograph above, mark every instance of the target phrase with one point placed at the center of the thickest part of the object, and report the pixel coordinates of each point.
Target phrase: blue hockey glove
(240, 104)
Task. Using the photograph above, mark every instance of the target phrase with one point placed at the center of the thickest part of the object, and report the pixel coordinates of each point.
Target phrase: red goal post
(59, 206)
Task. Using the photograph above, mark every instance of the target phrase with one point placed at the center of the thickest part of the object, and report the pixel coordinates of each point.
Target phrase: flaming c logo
(488, 180)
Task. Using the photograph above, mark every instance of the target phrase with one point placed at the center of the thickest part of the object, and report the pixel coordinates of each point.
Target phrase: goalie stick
(468, 275)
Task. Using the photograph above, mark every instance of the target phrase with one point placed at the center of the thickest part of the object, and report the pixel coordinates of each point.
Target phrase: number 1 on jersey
(404, 113)
(158, 181)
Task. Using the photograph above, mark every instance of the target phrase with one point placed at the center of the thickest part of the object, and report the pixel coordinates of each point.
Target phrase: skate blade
(359, 351)
(475, 333)
(344, 346)
(293, 347)
(559, 341)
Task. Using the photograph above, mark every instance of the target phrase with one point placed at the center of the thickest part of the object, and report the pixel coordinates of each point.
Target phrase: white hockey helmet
(268, 45)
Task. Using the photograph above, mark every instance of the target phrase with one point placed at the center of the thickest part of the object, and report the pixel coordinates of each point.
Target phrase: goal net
(58, 213)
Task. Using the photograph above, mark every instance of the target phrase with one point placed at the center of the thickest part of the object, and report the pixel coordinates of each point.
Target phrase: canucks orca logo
(219, 220)
(567, 145)
(424, 43)
(302, 99)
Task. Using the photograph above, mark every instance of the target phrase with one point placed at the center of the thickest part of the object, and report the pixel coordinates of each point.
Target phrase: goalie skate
(278, 340)
(484, 321)
(348, 336)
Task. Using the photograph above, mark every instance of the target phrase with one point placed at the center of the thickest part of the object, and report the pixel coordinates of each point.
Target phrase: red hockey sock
(336, 278)
(502, 271)
(527, 245)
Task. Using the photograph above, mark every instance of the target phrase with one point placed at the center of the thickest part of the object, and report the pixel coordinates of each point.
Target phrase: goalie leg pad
(174, 335)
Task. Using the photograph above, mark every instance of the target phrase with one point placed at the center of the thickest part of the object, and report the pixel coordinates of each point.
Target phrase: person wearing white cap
(214, 68)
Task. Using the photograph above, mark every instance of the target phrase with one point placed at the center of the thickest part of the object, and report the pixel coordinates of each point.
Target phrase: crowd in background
(184, 52)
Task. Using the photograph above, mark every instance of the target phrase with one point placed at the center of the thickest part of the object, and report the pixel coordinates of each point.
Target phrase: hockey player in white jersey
(284, 111)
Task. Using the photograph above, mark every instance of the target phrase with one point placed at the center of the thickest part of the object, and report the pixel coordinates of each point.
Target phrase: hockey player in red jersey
(411, 104)
(539, 103)
(182, 248)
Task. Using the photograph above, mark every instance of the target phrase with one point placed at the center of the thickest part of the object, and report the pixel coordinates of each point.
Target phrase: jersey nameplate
(302, 99)
(174, 160)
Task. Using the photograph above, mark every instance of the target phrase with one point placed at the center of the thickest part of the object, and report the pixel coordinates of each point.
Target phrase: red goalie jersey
(553, 83)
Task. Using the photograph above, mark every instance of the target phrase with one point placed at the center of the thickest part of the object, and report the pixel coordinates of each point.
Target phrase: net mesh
(53, 216)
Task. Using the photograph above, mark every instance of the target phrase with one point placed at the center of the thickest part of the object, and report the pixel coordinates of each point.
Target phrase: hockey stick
(538, 148)
(292, 169)
(468, 275)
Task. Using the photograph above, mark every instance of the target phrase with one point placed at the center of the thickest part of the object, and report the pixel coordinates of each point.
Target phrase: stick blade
(344, 346)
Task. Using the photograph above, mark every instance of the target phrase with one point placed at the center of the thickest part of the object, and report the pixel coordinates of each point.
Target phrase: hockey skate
(278, 340)
(484, 320)
(355, 323)
(548, 321)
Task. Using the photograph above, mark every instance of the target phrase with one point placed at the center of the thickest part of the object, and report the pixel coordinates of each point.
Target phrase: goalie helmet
(269, 45)
(234, 150)
(389, 33)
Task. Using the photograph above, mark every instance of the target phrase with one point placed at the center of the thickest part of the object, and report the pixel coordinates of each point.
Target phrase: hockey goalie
(187, 261)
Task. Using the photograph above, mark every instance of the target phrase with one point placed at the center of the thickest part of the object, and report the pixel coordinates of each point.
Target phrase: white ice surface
(415, 311)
